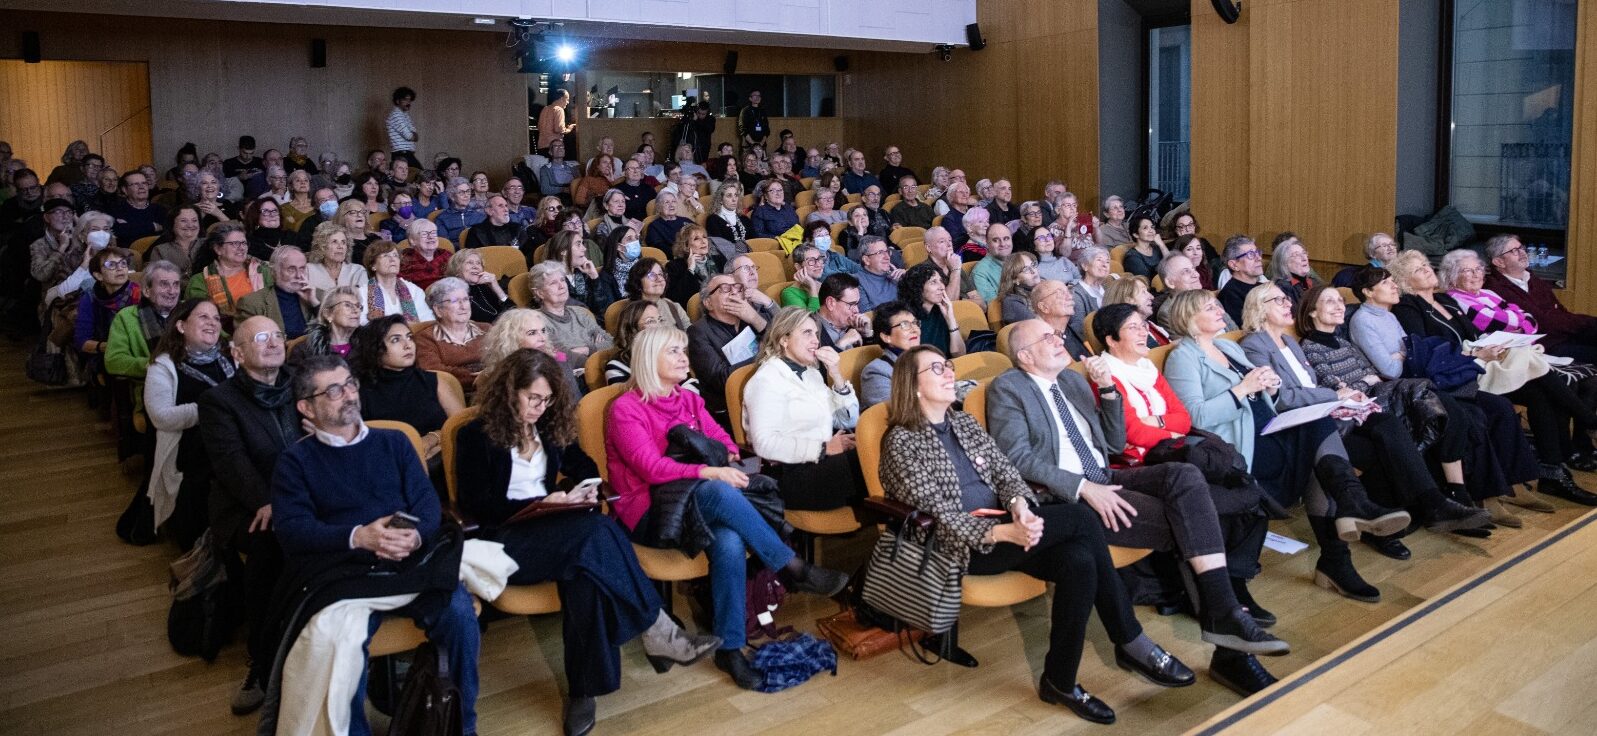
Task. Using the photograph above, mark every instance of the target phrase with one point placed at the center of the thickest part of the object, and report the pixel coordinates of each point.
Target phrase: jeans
(736, 525)
(455, 632)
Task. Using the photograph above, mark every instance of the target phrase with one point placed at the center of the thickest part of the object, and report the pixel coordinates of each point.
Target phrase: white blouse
(526, 476)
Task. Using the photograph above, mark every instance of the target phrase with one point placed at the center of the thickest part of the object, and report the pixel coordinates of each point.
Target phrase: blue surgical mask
(328, 209)
(405, 211)
(633, 250)
(823, 241)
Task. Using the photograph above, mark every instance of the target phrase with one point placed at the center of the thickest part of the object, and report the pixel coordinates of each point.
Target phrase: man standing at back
(402, 135)
(754, 126)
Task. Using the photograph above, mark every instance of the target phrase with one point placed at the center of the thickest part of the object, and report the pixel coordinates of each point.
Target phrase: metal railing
(1172, 170)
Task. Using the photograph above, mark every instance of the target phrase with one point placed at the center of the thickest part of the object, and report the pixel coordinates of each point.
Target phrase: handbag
(914, 583)
(430, 703)
(1437, 359)
(687, 445)
(197, 624)
(46, 365)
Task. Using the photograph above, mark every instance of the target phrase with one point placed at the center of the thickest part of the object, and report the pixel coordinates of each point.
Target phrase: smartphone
(989, 513)
(402, 520)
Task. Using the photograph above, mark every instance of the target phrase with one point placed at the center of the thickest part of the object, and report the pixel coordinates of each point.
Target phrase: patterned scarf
(375, 298)
(151, 323)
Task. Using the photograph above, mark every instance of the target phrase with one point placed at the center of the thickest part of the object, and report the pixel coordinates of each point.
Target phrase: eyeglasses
(265, 336)
(1475, 271)
(734, 288)
(904, 323)
(938, 368)
(236, 243)
(456, 300)
(344, 304)
(1029, 269)
(814, 259)
(109, 265)
(1277, 299)
(854, 305)
(1047, 338)
(1249, 255)
(539, 401)
(745, 267)
(654, 276)
(870, 254)
(1512, 251)
(336, 391)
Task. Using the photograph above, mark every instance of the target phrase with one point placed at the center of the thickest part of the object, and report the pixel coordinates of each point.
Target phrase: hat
(55, 202)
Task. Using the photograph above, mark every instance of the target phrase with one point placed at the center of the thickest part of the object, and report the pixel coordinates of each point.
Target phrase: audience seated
(496, 228)
(762, 308)
(898, 330)
(841, 326)
(246, 423)
(330, 265)
(557, 174)
(692, 263)
(636, 317)
(263, 222)
(667, 225)
(394, 385)
(180, 244)
(1568, 334)
(652, 486)
(911, 211)
(1379, 249)
(727, 220)
(340, 491)
(1133, 290)
(826, 209)
(112, 292)
(324, 208)
(1147, 248)
(548, 221)
(453, 344)
(487, 294)
(422, 262)
(587, 285)
(944, 257)
(58, 251)
(809, 267)
(637, 192)
(646, 280)
(727, 318)
(1246, 265)
(922, 290)
(233, 275)
(189, 361)
(1290, 269)
(385, 292)
(621, 251)
(944, 464)
(458, 215)
(1052, 302)
(573, 331)
(1087, 293)
(291, 300)
(1015, 282)
(1111, 230)
(136, 216)
(336, 321)
(978, 226)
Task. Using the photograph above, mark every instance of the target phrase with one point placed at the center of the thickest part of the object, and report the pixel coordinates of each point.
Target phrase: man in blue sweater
(343, 489)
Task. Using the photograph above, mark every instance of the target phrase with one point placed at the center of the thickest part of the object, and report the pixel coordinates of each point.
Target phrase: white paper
(1302, 415)
(1283, 544)
(741, 349)
(1506, 340)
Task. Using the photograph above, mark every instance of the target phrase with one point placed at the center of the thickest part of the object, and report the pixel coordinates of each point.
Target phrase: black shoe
(1240, 672)
(1237, 630)
(580, 716)
(1260, 616)
(1392, 547)
(1480, 533)
(954, 655)
(1078, 700)
(1340, 577)
(1165, 670)
(1450, 515)
(250, 695)
(819, 580)
(1563, 486)
(732, 662)
(1585, 462)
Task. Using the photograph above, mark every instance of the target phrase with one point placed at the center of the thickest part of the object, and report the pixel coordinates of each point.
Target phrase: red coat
(1559, 324)
(1141, 437)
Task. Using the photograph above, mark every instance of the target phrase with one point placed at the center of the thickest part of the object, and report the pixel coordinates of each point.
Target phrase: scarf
(621, 269)
(106, 305)
(374, 300)
(151, 323)
(272, 398)
(1139, 379)
(221, 295)
(192, 361)
(577, 284)
(731, 219)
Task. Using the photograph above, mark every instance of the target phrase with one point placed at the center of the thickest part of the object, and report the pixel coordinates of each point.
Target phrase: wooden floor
(84, 650)
(1511, 651)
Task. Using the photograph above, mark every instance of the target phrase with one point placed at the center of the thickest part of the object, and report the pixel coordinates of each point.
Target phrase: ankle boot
(1334, 570)
(1450, 511)
(1260, 615)
(1355, 512)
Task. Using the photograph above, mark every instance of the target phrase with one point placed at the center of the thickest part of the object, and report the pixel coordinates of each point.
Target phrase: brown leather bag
(859, 641)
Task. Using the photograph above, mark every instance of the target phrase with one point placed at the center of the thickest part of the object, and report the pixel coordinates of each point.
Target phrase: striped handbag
(913, 583)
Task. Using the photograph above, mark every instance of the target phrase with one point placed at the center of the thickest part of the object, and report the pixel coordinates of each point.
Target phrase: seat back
(503, 260)
(976, 403)
(1159, 354)
(1348, 295)
(914, 252)
(520, 290)
(775, 290)
(695, 306)
(447, 436)
(1091, 339)
(1117, 258)
(593, 367)
(734, 401)
(769, 266)
(592, 411)
(981, 366)
(409, 432)
(764, 245)
(612, 315)
(1003, 338)
(649, 251)
(452, 385)
(995, 314)
(907, 233)
(1233, 336)
(970, 316)
(852, 362)
(868, 443)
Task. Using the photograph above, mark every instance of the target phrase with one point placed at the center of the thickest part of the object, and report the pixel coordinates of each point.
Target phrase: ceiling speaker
(1229, 10)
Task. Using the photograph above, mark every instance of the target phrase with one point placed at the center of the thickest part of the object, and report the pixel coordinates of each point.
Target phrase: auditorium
(522, 367)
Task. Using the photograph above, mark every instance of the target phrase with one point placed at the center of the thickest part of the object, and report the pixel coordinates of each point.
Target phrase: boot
(1527, 499)
(1334, 570)
(666, 644)
(1450, 511)
(808, 578)
(1355, 512)
(1260, 616)
(1500, 514)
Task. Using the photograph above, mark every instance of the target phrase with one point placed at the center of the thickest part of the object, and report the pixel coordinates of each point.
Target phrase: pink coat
(634, 446)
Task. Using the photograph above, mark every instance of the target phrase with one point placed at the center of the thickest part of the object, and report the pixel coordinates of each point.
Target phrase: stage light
(566, 53)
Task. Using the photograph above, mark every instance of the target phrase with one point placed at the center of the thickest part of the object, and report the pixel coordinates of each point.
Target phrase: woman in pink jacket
(635, 445)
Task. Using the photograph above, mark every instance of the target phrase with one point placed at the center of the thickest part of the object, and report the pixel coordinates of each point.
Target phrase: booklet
(1506, 340)
(742, 348)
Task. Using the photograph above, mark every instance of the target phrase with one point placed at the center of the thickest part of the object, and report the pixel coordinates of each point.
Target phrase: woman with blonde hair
(330, 264)
(351, 215)
(1134, 290)
(334, 326)
(800, 411)
(515, 329)
(299, 206)
(727, 220)
(692, 264)
(653, 486)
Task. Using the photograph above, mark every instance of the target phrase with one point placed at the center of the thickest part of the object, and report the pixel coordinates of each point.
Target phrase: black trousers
(256, 562)
(1074, 556)
(832, 482)
(1550, 406)
(1174, 510)
(605, 599)
(1395, 473)
(1500, 453)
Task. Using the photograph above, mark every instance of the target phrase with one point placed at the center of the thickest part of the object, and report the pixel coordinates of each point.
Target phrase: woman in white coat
(187, 362)
(799, 412)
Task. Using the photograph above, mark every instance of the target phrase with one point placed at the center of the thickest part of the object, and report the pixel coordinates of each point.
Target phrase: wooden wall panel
(210, 82)
(45, 106)
(1579, 295)
(628, 132)
(1219, 133)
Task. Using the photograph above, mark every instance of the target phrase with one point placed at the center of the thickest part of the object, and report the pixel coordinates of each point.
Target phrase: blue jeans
(455, 632)
(736, 524)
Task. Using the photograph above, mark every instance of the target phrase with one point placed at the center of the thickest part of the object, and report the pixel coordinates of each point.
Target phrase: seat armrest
(896, 512)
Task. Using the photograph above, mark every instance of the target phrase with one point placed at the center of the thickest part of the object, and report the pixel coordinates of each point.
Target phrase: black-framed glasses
(732, 287)
(873, 253)
(938, 368)
(539, 401)
(337, 390)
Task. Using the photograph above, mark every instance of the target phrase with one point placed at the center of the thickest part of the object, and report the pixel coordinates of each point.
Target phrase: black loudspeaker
(730, 66)
(318, 53)
(1228, 10)
(973, 37)
(840, 63)
(30, 47)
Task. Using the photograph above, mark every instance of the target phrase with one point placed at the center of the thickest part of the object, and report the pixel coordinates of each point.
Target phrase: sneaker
(249, 696)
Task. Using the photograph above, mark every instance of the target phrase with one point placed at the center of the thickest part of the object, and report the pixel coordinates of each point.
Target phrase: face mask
(823, 241)
(99, 239)
(328, 209)
(406, 211)
(633, 250)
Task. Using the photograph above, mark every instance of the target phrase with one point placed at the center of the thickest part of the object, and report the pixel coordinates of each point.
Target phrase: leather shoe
(1164, 670)
(1526, 499)
(580, 716)
(955, 654)
(1448, 515)
(1078, 700)
(1388, 546)
(1260, 616)
(1239, 671)
(1564, 487)
(818, 580)
(1237, 630)
(732, 662)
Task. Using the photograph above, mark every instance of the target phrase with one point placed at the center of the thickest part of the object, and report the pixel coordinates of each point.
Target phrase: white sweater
(789, 420)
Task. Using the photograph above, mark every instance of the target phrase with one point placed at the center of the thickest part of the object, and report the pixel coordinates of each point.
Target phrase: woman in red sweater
(1153, 413)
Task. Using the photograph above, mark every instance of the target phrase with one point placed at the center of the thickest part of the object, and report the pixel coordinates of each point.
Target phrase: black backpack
(429, 705)
(198, 625)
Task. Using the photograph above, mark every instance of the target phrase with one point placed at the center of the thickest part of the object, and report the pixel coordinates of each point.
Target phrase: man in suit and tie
(290, 302)
(1060, 432)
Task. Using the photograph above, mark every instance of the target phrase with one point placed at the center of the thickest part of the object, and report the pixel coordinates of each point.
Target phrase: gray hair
(457, 181)
(442, 288)
(803, 251)
(410, 230)
(1111, 200)
(543, 272)
(706, 287)
(1278, 266)
(153, 267)
(281, 252)
(1452, 264)
(1089, 254)
(935, 229)
(1234, 246)
(1372, 244)
(868, 241)
(1168, 265)
(1498, 245)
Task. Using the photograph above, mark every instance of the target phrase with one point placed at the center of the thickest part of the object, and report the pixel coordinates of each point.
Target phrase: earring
(917, 394)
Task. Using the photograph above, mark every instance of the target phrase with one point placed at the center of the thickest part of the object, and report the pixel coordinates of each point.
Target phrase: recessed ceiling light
(483, 21)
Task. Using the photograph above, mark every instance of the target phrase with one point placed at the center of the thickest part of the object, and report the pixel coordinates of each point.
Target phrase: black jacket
(243, 439)
(482, 473)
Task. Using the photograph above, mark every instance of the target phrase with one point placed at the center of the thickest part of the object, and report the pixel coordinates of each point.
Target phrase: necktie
(1090, 469)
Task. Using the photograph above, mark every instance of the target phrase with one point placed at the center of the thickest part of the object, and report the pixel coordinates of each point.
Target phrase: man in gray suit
(1060, 436)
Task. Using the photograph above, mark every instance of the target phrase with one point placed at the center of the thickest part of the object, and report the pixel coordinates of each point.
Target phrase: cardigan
(461, 361)
(127, 349)
(916, 470)
(635, 443)
(789, 418)
(1205, 389)
(482, 473)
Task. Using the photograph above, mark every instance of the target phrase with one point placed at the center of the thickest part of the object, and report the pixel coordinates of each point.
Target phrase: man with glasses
(136, 216)
(895, 170)
(1246, 264)
(1568, 334)
(246, 423)
(350, 493)
(725, 307)
(515, 191)
(555, 177)
(458, 214)
(910, 210)
(759, 307)
(812, 163)
(842, 325)
(878, 282)
(1053, 195)
(880, 222)
(291, 302)
(1060, 433)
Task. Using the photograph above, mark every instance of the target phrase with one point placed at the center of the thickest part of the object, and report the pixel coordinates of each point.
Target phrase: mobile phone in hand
(402, 520)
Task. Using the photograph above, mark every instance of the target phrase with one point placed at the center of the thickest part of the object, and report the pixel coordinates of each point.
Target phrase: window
(1511, 109)
(1169, 108)
(656, 94)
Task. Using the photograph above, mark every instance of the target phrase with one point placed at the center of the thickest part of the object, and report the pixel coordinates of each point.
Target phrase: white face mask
(99, 239)
(823, 241)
